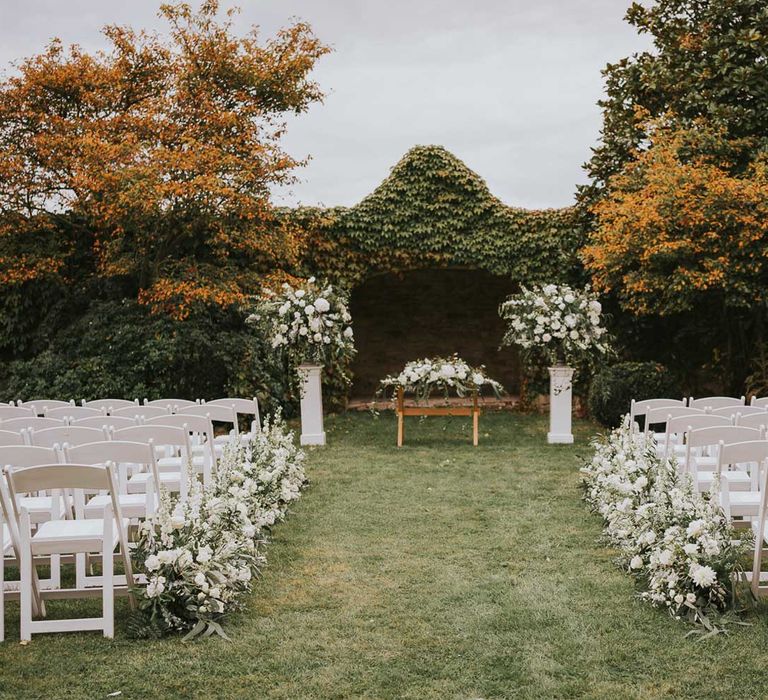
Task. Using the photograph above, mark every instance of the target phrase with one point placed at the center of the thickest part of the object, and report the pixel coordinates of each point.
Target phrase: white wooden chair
(8, 411)
(739, 409)
(712, 402)
(77, 536)
(11, 437)
(40, 406)
(702, 458)
(760, 402)
(6, 549)
(638, 409)
(742, 504)
(171, 405)
(753, 420)
(109, 405)
(33, 423)
(72, 413)
(106, 422)
(243, 407)
(219, 414)
(141, 413)
(171, 439)
(201, 429)
(658, 417)
(673, 443)
(64, 435)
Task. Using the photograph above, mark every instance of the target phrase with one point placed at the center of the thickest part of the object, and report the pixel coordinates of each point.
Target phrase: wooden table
(402, 410)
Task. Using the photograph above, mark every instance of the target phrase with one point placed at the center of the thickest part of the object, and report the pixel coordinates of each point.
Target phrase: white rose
(151, 563)
(300, 293)
(309, 309)
(703, 576)
(348, 332)
(322, 305)
(569, 298)
(546, 337)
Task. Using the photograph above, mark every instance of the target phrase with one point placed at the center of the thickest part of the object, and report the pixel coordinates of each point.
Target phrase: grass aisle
(434, 571)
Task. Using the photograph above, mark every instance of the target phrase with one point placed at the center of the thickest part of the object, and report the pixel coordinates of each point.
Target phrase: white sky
(509, 86)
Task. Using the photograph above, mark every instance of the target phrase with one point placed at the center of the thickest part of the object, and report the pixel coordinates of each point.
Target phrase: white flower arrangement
(310, 322)
(199, 557)
(560, 322)
(676, 541)
(446, 375)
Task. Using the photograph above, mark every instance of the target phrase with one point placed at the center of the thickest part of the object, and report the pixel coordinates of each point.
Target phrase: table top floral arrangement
(557, 323)
(307, 320)
(450, 375)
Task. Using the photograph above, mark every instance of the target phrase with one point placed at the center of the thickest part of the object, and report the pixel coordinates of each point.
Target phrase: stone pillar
(312, 432)
(560, 400)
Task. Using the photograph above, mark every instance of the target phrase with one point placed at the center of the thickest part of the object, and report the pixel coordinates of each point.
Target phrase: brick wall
(407, 316)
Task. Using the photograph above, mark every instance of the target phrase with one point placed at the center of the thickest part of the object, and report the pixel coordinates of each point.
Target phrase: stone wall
(406, 316)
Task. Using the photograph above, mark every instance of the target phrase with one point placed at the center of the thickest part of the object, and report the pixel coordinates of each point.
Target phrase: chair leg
(25, 594)
(2, 590)
(108, 584)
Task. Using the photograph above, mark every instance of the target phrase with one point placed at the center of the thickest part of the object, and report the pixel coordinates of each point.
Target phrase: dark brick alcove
(409, 315)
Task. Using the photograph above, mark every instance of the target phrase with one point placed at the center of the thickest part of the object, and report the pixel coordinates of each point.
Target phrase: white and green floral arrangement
(308, 321)
(200, 557)
(676, 541)
(446, 375)
(559, 323)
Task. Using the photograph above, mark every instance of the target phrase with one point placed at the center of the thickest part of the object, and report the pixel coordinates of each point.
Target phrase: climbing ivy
(433, 211)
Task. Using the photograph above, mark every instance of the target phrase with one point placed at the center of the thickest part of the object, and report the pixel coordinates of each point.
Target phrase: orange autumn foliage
(163, 148)
(687, 218)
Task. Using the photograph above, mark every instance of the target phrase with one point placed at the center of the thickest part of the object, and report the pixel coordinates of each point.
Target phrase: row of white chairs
(726, 442)
(72, 485)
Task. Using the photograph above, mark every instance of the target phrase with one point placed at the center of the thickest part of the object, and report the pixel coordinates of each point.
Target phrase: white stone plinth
(560, 400)
(312, 432)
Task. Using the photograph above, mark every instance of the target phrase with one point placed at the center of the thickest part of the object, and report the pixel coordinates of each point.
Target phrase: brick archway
(419, 313)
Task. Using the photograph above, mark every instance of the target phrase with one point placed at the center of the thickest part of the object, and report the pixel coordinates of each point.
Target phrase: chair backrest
(143, 412)
(243, 407)
(221, 414)
(33, 423)
(733, 410)
(116, 451)
(26, 455)
(40, 406)
(753, 420)
(695, 421)
(713, 402)
(728, 434)
(43, 477)
(11, 437)
(171, 405)
(661, 414)
(65, 435)
(7, 411)
(108, 422)
(73, 412)
(109, 404)
(759, 401)
(742, 452)
(640, 408)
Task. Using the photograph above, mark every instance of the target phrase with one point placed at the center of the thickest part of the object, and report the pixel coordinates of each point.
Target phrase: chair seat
(744, 503)
(169, 480)
(40, 508)
(71, 536)
(132, 505)
(173, 464)
(737, 480)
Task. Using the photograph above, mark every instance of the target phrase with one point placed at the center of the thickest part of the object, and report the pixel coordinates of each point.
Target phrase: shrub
(614, 388)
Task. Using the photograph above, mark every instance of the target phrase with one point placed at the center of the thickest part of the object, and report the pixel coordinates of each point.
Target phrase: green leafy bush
(614, 388)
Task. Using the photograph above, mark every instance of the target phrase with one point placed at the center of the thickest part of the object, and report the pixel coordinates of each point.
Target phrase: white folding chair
(759, 401)
(679, 425)
(77, 536)
(8, 411)
(40, 406)
(171, 439)
(702, 458)
(201, 428)
(109, 405)
(33, 423)
(753, 420)
(740, 409)
(219, 414)
(141, 413)
(713, 402)
(638, 409)
(243, 407)
(171, 405)
(11, 437)
(72, 413)
(658, 417)
(742, 504)
(6, 548)
(66, 435)
(106, 422)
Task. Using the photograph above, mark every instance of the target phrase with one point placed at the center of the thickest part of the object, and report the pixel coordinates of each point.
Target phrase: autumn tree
(160, 152)
(709, 60)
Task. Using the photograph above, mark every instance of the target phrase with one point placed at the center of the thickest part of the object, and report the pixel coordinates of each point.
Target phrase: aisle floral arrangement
(200, 557)
(309, 321)
(674, 540)
(557, 323)
(440, 374)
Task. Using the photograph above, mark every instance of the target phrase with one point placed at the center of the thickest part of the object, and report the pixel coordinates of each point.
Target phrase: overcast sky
(509, 86)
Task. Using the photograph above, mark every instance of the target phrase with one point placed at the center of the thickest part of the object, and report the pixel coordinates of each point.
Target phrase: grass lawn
(434, 571)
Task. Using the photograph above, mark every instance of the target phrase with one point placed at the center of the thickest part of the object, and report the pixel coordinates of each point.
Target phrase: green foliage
(708, 61)
(433, 211)
(119, 349)
(613, 389)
